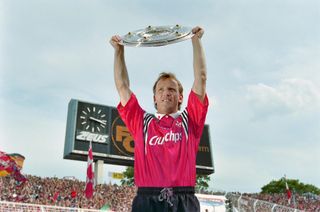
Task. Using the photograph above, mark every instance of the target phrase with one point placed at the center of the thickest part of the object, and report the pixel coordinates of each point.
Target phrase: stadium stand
(67, 194)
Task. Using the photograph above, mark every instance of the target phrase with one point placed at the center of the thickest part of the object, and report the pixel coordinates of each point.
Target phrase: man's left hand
(198, 32)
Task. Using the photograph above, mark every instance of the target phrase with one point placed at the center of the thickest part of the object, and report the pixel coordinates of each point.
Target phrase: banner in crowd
(90, 174)
(11, 164)
(287, 190)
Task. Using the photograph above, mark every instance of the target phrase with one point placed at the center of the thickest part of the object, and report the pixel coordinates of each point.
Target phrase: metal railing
(246, 204)
(25, 207)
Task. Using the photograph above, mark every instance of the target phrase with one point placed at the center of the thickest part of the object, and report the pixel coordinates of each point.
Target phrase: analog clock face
(93, 118)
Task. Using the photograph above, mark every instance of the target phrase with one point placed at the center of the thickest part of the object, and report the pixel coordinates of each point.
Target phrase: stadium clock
(92, 122)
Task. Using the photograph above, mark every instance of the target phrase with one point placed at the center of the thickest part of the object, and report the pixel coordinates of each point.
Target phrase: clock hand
(104, 122)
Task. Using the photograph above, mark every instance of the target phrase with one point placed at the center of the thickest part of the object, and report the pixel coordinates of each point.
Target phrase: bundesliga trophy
(156, 36)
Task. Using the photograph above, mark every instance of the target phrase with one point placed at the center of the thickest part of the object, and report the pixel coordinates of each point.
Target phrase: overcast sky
(263, 79)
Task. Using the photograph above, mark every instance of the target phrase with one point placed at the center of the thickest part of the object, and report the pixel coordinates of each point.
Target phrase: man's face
(167, 96)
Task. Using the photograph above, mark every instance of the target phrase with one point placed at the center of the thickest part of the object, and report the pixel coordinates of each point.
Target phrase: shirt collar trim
(173, 115)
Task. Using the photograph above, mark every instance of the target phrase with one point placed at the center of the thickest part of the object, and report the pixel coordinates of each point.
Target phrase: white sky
(263, 79)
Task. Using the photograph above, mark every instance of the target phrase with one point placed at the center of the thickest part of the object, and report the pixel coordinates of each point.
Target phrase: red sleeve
(132, 115)
(197, 111)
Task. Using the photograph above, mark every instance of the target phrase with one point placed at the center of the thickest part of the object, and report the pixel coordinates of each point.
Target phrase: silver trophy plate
(156, 36)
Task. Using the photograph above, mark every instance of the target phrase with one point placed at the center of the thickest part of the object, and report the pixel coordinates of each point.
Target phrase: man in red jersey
(166, 143)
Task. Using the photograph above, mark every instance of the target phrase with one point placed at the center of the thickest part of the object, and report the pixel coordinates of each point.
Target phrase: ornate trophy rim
(157, 36)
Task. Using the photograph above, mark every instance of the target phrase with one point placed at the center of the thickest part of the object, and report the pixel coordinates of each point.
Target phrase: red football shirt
(165, 150)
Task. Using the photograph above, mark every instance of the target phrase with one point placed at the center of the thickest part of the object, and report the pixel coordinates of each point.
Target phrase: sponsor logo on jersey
(168, 137)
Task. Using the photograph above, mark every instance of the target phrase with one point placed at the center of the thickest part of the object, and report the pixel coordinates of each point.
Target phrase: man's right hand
(115, 42)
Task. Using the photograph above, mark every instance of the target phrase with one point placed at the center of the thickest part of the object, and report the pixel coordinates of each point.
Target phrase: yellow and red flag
(11, 164)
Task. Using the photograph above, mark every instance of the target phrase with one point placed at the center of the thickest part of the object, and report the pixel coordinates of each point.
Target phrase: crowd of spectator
(69, 192)
(66, 193)
(277, 202)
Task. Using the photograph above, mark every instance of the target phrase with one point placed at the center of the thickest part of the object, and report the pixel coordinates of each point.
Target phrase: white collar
(173, 115)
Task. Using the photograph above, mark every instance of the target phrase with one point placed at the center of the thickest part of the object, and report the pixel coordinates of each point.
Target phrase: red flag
(288, 191)
(6, 165)
(90, 174)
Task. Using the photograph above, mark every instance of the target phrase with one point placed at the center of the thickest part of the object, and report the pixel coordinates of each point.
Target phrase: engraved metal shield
(157, 36)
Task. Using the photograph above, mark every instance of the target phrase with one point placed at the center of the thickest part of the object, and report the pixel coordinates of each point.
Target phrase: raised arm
(199, 64)
(121, 77)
